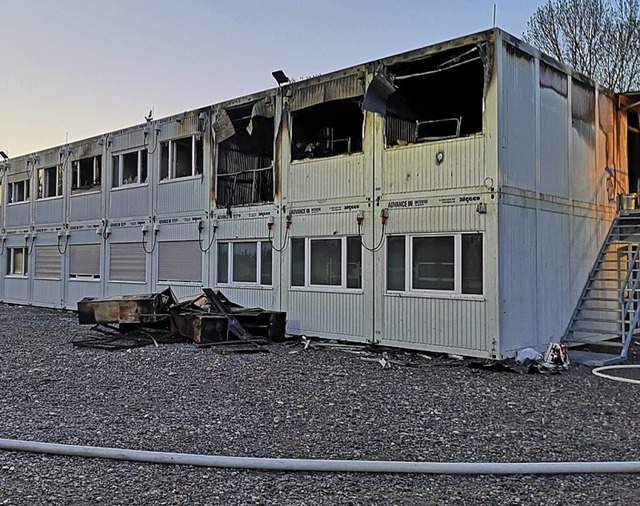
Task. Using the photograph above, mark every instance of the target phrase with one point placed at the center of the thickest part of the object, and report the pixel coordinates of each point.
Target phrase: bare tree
(598, 38)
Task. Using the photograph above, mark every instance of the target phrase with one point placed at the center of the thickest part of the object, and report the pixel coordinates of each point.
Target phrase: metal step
(610, 284)
(603, 344)
(594, 359)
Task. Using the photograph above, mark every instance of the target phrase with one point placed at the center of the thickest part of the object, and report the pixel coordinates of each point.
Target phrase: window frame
(171, 161)
(344, 266)
(457, 292)
(12, 191)
(76, 187)
(230, 245)
(44, 183)
(119, 183)
(11, 262)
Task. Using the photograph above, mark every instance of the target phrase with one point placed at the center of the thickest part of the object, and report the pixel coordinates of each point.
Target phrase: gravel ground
(296, 403)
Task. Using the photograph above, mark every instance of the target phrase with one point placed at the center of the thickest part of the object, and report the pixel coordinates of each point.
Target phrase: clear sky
(71, 69)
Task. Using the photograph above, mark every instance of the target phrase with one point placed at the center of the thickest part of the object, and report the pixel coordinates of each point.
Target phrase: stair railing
(631, 297)
(593, 270)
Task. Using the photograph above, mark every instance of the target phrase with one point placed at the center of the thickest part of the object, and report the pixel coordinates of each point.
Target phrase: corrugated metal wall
(414, 168)
(554, 211)
(333, 178)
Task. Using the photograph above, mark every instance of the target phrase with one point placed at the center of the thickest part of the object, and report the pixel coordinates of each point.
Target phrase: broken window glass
(327, 129)
(245, 154)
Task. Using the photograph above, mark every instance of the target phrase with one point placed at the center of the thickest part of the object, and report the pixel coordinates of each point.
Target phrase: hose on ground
(598, 372)
(309, 465)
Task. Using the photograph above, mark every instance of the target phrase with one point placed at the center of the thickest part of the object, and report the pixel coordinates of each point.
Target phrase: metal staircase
(607, 314)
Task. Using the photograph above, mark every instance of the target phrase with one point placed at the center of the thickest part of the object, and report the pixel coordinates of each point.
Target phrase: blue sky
(71, 69)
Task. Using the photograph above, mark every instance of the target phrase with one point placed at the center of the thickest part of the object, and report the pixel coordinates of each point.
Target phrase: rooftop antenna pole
(494, 15)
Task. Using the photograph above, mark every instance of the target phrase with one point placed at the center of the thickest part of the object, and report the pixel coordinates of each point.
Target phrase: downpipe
(312, 465)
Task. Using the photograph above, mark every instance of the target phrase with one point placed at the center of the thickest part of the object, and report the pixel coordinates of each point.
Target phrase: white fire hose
(309, 465)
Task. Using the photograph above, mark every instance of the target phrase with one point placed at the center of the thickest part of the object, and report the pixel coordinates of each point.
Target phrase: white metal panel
(554, 304)
(47, 292)
(437, 323)
(518, 119)
(327, 178)
(18, 214)
(16, 290)
(180, 290)
(133, 138)
(518, 277)
(331, 314)
(85, 207)
(554, 143)
(251, 297)
(414, 168)
(49, 211)
(78, 289)
(129, 202)
(182, 195)
(583, 176)
(584, 242)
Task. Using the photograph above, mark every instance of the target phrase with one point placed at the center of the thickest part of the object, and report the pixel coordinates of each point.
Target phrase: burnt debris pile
(208, 319)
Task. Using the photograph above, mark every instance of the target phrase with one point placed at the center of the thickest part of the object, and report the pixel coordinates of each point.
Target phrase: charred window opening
(438, 97)
(327, 129)
(245, 154)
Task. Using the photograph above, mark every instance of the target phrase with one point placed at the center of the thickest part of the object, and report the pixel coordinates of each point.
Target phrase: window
(47, 262)
(179, 261)
(445, 263)
(129, 168)
(327, 129)
(245, 262)
(18, 191)
(84, 261)
(332, 262)
(50, 182)
(181, 158)
(17, 262)
(86, 174)
(245, 154)
(127, 262)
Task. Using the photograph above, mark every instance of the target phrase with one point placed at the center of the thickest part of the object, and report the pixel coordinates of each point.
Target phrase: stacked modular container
(450, 199)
